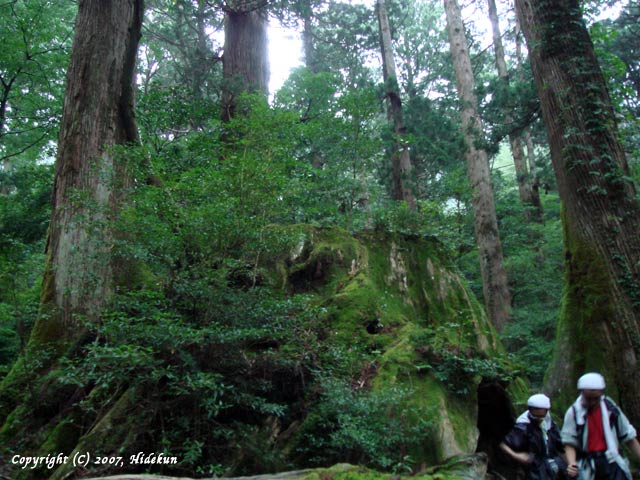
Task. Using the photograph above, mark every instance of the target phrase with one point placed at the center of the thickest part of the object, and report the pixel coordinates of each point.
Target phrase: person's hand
(525, 458)
(572, 470)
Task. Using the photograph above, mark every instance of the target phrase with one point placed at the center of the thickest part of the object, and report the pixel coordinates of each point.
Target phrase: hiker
(535, 443)
(593, 430)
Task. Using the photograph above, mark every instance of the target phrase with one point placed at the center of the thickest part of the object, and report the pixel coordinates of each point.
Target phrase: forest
(361, 273)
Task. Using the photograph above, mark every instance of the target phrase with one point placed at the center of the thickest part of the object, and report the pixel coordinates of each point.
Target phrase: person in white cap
(535, 443)
(593, 429)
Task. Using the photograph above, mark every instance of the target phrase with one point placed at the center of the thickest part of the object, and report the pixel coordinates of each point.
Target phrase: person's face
(538, 414)
(591, 398)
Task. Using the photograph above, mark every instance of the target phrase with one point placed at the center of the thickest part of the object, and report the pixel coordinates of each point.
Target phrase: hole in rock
(496, 417)
(374, 327)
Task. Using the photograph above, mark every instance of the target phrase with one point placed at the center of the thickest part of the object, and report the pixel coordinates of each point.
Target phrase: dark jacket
(526, 436)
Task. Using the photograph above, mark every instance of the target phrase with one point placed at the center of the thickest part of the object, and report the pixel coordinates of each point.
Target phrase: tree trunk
(201, 53)
(526, 134)
(308, 41)
(517, 151)
(245, 62)
(400, 160)
(4, 104)
(98, 113)
(533, 169)
(599, 327)
(494, 278)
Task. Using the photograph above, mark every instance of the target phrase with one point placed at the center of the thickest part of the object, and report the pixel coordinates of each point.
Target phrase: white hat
(539, 400)
(591, 381)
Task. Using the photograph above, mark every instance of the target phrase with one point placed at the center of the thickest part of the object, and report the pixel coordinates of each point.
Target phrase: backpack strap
(579, 428)
(614, 415)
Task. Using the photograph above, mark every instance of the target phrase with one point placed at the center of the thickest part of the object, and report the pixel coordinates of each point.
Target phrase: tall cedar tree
(308, 40)
(494, 277)
(98, 114)
(527, 136)
(599, 326)
(528, 196)
(400, 159)
(245, 61)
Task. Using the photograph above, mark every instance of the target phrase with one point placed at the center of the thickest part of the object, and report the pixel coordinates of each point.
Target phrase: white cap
(591, 381)
(539, 400)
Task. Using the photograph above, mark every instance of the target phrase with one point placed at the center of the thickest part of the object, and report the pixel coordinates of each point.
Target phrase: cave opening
(496, 417)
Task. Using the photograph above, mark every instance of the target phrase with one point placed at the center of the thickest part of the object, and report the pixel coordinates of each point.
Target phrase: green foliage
(231, 371)
(617, 46)
(534, 263)
(449, 356)
(366, 427)
(24, 217)
(201, 322)
(534, 259)
(345, 34)
(420, 47)
(32, 75)
(180, 60)
(518, 99)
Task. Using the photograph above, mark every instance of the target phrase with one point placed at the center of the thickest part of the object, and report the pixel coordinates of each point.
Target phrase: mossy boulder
(419, 327)
(398, 354)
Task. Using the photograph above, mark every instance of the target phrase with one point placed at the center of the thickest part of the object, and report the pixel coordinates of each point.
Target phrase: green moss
(418, 297)
(518, 392)
(452, 421)
(108, 435)
(586, 308)
(62, 438)
(452, 471)
(12, 426)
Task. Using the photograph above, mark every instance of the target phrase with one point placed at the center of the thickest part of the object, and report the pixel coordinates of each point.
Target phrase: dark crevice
(496, 417)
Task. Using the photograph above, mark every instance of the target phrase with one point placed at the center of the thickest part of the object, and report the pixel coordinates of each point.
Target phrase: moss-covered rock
(399, 353)
(393, 297)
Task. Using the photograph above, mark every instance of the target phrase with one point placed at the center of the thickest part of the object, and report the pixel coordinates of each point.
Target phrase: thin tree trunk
(533, 169)
(308, 42)
(599, 327)
(4, 103)
(494, 278)
(526, 134)
(201, 63)
(245, 62)
(517, 151)
(401, 160)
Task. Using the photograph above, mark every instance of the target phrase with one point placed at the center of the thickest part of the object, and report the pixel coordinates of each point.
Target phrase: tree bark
(98, 114)
(599, 327)
(308, 41)
(526, 134)
(4, 103)
(245, 62)
(400, 160)
(201, 54)
(494, 278)
(517, 151)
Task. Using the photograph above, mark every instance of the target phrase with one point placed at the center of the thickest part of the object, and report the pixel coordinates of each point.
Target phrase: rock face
(394, 295)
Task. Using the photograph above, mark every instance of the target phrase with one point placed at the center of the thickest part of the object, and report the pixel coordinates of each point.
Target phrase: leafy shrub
(454, 363)
(232, 373)
(375, 428)
(24, 216)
